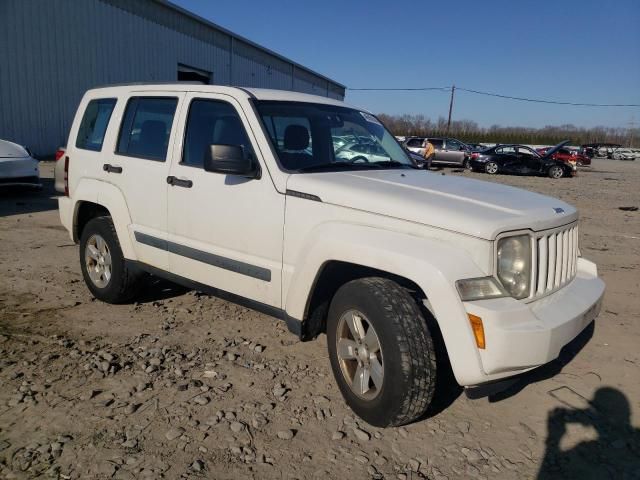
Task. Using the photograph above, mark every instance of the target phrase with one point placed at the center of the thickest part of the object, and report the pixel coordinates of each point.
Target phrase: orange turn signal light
(478, 330)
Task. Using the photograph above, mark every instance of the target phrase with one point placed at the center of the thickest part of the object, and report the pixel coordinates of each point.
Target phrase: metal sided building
(51, 51)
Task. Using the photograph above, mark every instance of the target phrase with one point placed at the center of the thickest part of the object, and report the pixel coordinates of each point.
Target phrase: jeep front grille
(555, 259)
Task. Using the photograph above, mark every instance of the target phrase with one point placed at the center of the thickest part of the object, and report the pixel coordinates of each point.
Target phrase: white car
(238, 192)
(17, 166)
(362, 152)
(623, 154)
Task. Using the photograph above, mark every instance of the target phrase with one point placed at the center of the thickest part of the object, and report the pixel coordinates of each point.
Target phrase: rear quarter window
(94, 124)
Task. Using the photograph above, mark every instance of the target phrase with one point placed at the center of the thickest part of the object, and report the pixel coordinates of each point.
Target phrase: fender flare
(110, 197)
(431, 264)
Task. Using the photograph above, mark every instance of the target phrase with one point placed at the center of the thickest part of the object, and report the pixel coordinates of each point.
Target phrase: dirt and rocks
(182, 385)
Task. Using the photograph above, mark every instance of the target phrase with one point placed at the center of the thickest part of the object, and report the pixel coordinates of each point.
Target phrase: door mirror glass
(229, 160)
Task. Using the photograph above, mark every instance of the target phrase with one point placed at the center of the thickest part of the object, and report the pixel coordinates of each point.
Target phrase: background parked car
(450, 151)
(414, 144)
(476, 147)
(566, 155)
(17, 166)
(362, 152)
(58, 171)
(623, 154)
(522, 160)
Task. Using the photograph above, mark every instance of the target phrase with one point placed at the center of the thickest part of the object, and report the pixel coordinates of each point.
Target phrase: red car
(568, 156)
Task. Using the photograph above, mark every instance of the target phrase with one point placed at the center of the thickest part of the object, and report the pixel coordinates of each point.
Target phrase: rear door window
(415, 143)
(436, 142)
(94, 124)
(146, 127)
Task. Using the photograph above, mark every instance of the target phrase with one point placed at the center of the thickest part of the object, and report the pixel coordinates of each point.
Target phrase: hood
(463, 205)
(12, 150)
(551, 150)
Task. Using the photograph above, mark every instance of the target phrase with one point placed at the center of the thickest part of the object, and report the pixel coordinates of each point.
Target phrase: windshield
(315, 137)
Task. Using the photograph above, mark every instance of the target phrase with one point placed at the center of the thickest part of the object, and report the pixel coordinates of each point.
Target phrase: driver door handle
(178, 182)
(107, 167)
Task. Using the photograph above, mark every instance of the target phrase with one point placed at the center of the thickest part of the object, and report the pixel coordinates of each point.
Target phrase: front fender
(432, 264)
(110, 197)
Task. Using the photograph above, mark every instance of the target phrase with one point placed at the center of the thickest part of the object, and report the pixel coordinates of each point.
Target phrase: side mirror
(229, 160)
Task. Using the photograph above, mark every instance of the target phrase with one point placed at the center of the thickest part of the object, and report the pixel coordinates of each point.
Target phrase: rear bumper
(521, 336)
(65, 209)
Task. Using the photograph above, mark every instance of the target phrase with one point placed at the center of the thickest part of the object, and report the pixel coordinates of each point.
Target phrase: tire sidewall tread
(407, 348)
(123, 285)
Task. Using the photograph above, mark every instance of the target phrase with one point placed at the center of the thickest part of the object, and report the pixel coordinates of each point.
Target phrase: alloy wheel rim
(492, 168)
(97, 258)
(360, 355)
(556, 173)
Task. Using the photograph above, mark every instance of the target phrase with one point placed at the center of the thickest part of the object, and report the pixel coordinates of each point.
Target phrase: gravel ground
(184, 385)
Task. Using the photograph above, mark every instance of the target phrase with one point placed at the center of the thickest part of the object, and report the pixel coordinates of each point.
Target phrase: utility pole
(453, 92)
(632, 125)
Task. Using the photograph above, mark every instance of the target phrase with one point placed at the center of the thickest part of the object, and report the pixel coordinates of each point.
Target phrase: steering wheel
(360, 158)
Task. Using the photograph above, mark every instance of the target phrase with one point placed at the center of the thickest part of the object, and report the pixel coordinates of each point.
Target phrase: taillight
(59, 154)
(474, 155)
(66, 176)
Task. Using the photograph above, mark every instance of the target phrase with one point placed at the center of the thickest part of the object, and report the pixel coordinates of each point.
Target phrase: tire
(555, 171)
(122, 283)
(406, 354)
(466, 164)
(491, 168)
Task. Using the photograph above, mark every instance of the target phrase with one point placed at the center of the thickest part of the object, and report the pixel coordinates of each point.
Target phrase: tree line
(470, 131)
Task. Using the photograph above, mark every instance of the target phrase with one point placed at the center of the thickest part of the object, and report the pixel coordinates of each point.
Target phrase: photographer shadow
(615, 453)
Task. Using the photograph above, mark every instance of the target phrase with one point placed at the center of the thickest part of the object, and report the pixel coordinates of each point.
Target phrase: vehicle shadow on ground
(157, 289)
(21, 200)
(615, 453)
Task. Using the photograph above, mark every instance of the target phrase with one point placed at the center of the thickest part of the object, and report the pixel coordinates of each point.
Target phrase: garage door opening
(191, 74)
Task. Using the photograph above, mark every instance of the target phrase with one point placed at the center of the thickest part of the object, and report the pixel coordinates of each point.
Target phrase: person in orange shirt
(429, 151)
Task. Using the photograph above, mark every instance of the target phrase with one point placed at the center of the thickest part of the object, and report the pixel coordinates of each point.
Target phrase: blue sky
(569, 50)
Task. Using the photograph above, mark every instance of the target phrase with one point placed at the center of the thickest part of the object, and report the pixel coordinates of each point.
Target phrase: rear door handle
(107, 167)
(178, 182)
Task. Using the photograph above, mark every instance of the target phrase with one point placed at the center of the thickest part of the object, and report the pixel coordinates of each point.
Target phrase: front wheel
(104, 268)
(381, 352)
(466, 164)
(491, 168)
(556, 172)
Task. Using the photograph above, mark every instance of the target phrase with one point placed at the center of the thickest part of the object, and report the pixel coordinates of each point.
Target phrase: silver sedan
(17, 166)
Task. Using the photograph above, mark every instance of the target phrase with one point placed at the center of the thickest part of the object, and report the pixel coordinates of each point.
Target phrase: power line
(401, 89)
(554, 102)
(498, 95)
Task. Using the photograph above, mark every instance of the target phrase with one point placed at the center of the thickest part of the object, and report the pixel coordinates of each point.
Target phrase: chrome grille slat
(543, 260)
(555, 260)
(551, 275)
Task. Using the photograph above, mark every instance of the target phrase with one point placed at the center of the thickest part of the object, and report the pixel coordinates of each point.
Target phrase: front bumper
(19, 172)
(521, 336)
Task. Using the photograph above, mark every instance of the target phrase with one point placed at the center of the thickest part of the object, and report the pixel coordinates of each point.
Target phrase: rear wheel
(491, 168)
(466, 164)
(381, 352)
(104, 268)
(556, 171)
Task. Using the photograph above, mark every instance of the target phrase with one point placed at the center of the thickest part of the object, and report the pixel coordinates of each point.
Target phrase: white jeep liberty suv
(308, 209)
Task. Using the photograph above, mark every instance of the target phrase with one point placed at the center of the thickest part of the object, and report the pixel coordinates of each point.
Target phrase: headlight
(514, 265)
(479, 289)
